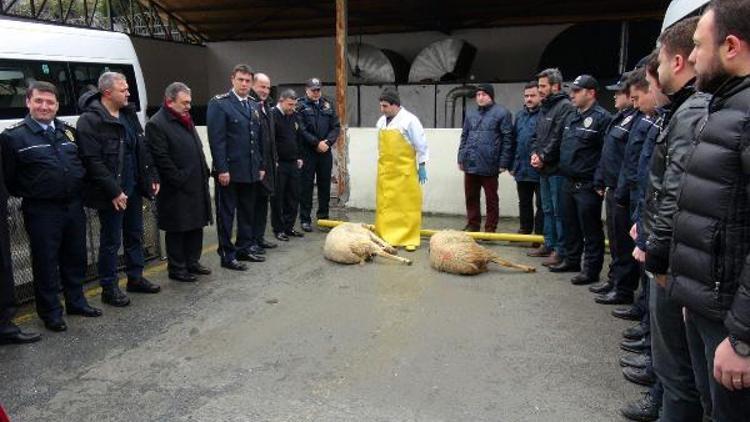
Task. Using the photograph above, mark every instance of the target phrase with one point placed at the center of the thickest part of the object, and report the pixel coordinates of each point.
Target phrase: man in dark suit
(234, 129)
(259, 94)
(9, 332)
(184, 203)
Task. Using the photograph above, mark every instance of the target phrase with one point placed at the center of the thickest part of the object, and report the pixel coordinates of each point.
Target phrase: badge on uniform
(296, 126)
(326, 106)
(626, 120)
(257, 116)
(70, 136)
(588, 121)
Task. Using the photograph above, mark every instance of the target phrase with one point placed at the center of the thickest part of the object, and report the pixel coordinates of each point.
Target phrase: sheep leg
(384, 254)
(504, 263)
(382, 243)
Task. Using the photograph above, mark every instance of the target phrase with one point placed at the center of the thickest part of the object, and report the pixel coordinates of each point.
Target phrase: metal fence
(21, 253)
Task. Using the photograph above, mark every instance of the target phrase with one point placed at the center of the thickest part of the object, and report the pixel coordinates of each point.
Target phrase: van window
(71, 80)
(15, 77)
(86, 77)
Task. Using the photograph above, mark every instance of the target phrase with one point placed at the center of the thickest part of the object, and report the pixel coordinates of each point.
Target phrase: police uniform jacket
(42, 165)
(101, 146)
(613, 150)
(234, 135)
(581, 146)
(319, 121)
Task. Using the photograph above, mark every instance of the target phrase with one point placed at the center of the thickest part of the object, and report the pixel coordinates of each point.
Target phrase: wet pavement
(298, 338)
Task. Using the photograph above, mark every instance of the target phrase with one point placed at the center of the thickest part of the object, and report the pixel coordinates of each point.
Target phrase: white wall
(444, 191)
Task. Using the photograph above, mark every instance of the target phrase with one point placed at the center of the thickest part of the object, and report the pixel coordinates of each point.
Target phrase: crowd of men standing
(671, 166)
(264, 154)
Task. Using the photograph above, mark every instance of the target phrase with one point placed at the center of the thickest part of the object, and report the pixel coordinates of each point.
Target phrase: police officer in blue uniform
(41, 165)
(580, 152)
(623, 270)
(320, 129)
(234, 135)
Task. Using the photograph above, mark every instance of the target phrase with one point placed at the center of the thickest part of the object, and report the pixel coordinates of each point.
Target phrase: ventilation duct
(446, 60)
(369, 64)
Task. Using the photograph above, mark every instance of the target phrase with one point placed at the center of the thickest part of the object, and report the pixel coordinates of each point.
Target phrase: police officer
(9, 332)
(580, 151)
(233, 121)
(623, 270)
(41, 165)
(320, 129)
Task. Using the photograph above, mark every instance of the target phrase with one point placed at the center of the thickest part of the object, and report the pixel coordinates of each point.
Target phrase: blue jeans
(551, 190)
(126, 228)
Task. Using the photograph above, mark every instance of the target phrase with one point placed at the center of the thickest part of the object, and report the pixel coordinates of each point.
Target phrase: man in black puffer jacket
(711, 236)
(545, 158)
(119, 173)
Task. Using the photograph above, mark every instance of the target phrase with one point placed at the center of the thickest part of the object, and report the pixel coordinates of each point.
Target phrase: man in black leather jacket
(711, 232)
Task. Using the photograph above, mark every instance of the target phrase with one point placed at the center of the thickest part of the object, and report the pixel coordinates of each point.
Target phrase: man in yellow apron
(401, 145)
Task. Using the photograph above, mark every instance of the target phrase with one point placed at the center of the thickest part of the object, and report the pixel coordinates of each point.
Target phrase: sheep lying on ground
(353, 243)
(457, 253)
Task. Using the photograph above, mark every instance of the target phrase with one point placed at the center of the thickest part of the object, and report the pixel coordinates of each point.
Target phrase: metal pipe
(507, 237)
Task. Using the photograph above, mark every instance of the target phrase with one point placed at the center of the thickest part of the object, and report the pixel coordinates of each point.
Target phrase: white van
(70, 58)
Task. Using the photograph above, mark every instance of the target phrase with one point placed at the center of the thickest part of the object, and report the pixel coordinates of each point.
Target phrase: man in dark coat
(288, 140)
(120, 175)
(259, 94)
(184, 203)
(527, 178)
(9, 332)
(485, 151)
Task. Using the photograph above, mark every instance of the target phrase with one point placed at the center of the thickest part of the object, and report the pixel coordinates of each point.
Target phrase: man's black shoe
(281, 236)
(254, 250)
(115, 297)
(306, 227)
(266, 245)
(582, 279)
(184, 277)
(629, 313)
(19, 337)
(198, 269)
(294, 233)
(86, 311)
(634, 333)
(640, 376)
(640, 360)
(635, 346)
(602, 287)
(250, 257)
(565, 267)
(57, 325)
(141, 285)
(614, 298)
(468, 228)
(643, 410)
(234, 265)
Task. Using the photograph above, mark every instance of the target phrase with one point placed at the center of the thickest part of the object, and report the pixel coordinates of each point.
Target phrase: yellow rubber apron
(398, 202)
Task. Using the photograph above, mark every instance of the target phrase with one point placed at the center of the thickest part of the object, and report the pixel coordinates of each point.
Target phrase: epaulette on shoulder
(16, 125)
(221, 96)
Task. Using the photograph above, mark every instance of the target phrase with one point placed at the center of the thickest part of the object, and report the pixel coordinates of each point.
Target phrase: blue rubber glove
(422, 174)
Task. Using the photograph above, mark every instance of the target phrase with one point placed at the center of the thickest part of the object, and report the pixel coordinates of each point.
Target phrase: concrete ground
(301, 339)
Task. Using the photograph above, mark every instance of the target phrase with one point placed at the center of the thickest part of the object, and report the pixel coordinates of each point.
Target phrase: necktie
(50, 132)
(246, 106)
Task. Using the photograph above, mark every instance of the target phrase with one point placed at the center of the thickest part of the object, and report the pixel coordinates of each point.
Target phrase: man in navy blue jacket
(527, 178)
(485, 151)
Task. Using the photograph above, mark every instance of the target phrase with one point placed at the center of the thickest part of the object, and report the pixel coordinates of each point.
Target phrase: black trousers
(285, 203)
(7, 285)
(239, 199)
(671, 357)
(624, 270)
(183, 249)
(704, 336)
(57, 236)
(531, 222)
(316, 171)
(260, 215)
(582, 210)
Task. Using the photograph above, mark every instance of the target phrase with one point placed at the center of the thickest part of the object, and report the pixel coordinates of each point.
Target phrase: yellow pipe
(507, 237)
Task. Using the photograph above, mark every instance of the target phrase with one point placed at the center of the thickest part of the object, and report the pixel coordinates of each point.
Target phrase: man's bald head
(262, 85)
